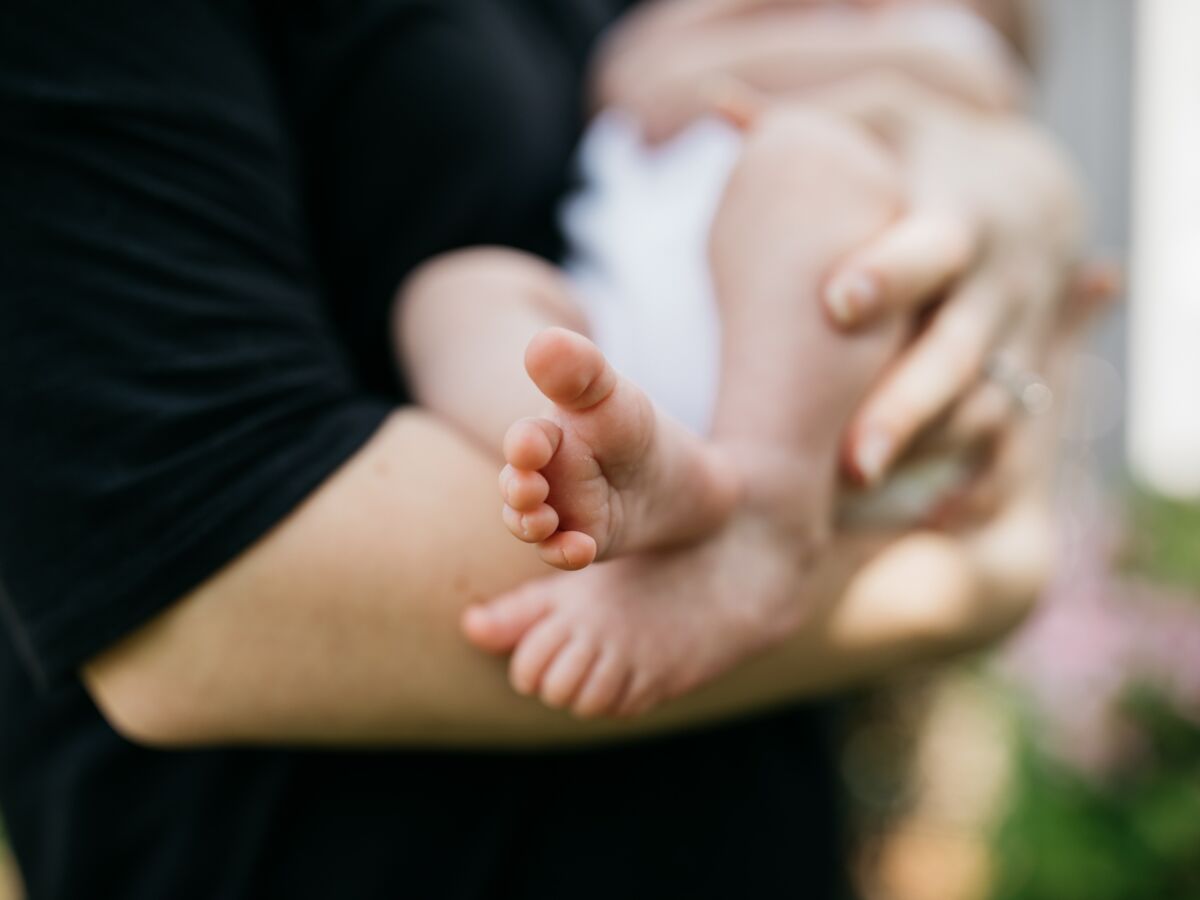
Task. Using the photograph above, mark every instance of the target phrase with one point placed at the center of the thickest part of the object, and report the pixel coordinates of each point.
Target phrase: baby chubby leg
(460, 326)
(807, 190)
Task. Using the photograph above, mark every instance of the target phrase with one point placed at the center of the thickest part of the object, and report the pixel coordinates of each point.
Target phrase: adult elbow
(132, 708)
(143, 698)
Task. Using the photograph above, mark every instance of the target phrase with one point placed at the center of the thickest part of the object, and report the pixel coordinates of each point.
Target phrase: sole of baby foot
(605, 472)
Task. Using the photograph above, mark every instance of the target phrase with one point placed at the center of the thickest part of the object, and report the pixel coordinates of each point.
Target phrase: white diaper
(637, 232)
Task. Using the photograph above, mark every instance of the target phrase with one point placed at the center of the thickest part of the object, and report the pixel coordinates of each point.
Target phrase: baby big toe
(498, 625)
(568, 550)
(569, 369)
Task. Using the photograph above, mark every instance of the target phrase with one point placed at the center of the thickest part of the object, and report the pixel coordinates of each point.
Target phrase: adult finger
(906, 267)
(978, 419)
(1096, 286)
(944, 362)
(977, 501)
(1018, 462)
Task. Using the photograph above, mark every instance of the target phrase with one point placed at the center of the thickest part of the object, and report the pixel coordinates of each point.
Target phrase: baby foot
(623, 637)
(604, 472)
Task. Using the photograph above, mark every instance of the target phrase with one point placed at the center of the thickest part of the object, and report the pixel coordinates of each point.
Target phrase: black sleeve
(169, 386)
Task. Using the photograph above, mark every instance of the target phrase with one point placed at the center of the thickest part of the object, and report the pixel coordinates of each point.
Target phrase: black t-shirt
(204, 210)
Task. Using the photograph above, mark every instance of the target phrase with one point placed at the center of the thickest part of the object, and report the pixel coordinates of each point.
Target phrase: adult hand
(1021, 458)
(1006, 188)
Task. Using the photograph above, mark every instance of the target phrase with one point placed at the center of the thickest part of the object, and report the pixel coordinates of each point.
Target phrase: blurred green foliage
(1133, 834)
(1163, 539)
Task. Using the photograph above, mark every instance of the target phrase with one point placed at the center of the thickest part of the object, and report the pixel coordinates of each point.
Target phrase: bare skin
(605, 474)
(624, 636)
(340, 627)
(664, 63)
(752, 557)
(550, 670)
(807, 191)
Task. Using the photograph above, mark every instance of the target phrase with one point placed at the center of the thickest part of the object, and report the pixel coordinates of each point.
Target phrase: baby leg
(460, 327)
(602, 471)
(807, 190)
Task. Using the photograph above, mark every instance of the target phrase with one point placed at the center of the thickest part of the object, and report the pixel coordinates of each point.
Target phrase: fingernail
(850, 296)
(872, 455)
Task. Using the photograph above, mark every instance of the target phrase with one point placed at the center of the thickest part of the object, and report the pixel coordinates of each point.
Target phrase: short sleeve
(170, 387)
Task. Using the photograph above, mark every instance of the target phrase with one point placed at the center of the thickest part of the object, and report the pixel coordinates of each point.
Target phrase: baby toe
(530, 444)
(568, 368)
(566, 674)
(524, 491)
(603, 687)
(534, 653)
(532, 527)
(640, 697)
(498, 625)
(568, 550)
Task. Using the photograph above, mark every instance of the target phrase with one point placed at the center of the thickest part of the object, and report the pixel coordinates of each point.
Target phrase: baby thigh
(460, 326)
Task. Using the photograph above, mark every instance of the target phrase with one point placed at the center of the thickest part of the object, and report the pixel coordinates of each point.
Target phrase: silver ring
(1029, 391)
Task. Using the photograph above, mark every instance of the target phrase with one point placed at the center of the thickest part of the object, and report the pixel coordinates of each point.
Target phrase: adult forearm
(341, 627)
(668, 72)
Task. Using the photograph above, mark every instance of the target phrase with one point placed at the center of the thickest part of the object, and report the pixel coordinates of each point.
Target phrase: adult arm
(665, 63)
(1008, 17)
(342, 625)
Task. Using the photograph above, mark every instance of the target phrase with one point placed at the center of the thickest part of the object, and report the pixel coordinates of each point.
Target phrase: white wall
(1164, 435)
